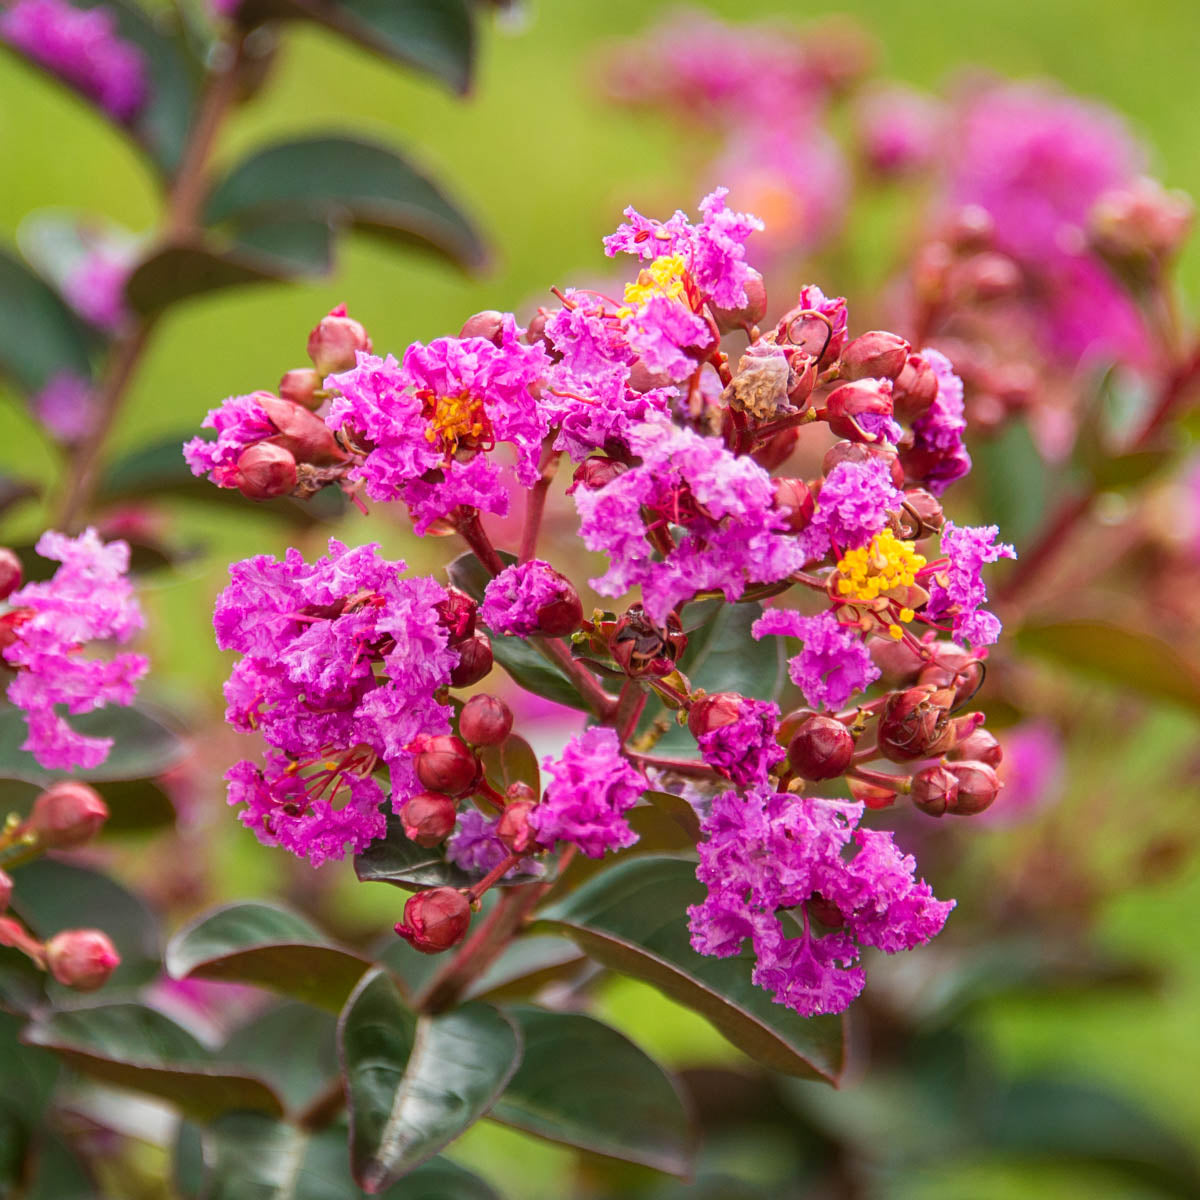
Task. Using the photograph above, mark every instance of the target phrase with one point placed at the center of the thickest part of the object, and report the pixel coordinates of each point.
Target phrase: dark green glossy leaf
(582, 1083)
(27, 1075)
(346, 181)
(137, 1047)
(435, 36)
(513, 761)
(469, 575)
(414, 1084)
(22, 985)
(1127, 658)
(394, 859)
(143, 745)
(532, 672)
(268, 1045)
(679, 810)
(51, 896)
(269, 947)
(59, 1173)
(527, 964)
(301, 246)
(14, 1145)
(633, 919)
(658, 830)
(39, 335)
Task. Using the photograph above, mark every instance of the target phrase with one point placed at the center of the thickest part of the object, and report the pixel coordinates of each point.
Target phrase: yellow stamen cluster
(455, 419)
(663, 277)
(875, 569)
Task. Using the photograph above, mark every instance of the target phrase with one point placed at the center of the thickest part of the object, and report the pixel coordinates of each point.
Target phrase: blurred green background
(545, 165)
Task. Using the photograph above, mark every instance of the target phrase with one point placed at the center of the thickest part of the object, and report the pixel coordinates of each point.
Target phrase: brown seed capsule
(821, 748)
(10, 572)
(874, 355)
(435, 920)
(916, 724)
(978, 786)
(333, 345)
(474, 661)
(513, 828)
(643, 647)
(65, 815)
(266, 471)
(485, 721)
(82, 959)
(445, 763)
(934, 790)
(428, 818)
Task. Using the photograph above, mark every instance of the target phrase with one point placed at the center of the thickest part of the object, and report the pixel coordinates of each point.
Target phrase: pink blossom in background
(82, 47)
(1032, 771)
(67, 407)
(900, 130)
(95, 289)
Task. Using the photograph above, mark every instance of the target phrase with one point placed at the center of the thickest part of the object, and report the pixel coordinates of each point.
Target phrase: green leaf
(527, 964)
(394, 859)
(469, 575)
(582, 1083)
(39, 335)
(415, 1083)
(435, 36)
(1126, 658)
(633, 919)
(721, 656)
(267, 1044)
(268, 947)
(59, 1173)
(531, 671)
(52, 895)
(513, 761)
(137, 1047)
(143, 745)
(341, 180)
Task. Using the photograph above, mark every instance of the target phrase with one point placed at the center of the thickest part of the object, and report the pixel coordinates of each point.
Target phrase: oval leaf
(344, 180)
(633, 919)
(394, 859)
(513, 761)
(532, 672)
(527, 964)
(268, 947)
(137, 1047)
(413, 1084)
(582, 1083)
(267, 1045)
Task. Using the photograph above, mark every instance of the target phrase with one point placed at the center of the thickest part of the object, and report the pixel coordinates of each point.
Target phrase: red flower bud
(751, 312)
(897, 660)
(915, 389)
(713, 712)
(916, 724)
(847, 405)
(519, 790)
(874, 355)
(990, 276)
(804, 379)
(456, 614)
(10, 623)
(65, 815)
(1140, 223)
(10, 572)
(978, 786)
(921, 514)
(300, 386)
(776, 450)
(428, 818)
(6, 890)
(971, 228)
(82, 959)
(953, 667)
(474, 661)
(821, 748)
(334, 344)
(934, 791)
(812, 333)
(595, 472)
(487, 324)
(485, 721)
(795, 501)
(265, 471)
(562, 615)
(513, 828)
(435, 920)
(445, 763)
(861, 452)
(300, 431)
(980, 746)
(535, 331)
(645, 379)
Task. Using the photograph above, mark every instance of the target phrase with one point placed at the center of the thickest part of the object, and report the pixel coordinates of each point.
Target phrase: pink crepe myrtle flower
(66, 407)
(938, 432)
(95, 289)
(956, 587)
(744, 750)
(834, 663)
(83, 48)
(475, 846)
(900, 130)
(241, 421)
(89, 599)
(852, 506)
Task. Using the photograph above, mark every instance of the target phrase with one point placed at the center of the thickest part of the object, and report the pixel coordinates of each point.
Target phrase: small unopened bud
(852, 408)
(301, 386)
(777, 449)
(535, 332)
(819, 332)
(898, 661)
(10, 624)
(302, 432)
(921, 514)
(513, 828)
(594, 473)
(10, 572)
(435, 920)
(265, 471)
(6, 890)
(65, 815)
(980, 746)
(971, 228)
(861, 452)
(821, 749)
(751, 312)
(643, 647)
(978, 786)
(915, 389)
(645, 379)
(485, 721)
(990, 276)
(456, 614)
(916, 724)
(562, 614)
(953, 667)
(874, 355)
(934, 790)
(488, 324)
(794, 500)
(445, 763)
(334, 344)
(713, 712)
(519, 790)
(82, 959)
(1140, 223)
(428, 818)
(474, 661)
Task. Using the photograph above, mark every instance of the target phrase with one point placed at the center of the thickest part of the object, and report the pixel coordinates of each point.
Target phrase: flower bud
(513, 828)
(488, 324)
(65, 815)
(934, 790)
(595, 472)
(535, 332)
(456, 614)
(301, 386)
(563, 614)
(265, 471)
(793, 500)
(485, 721)
(804, 379)
(980, 746)
(921, 514)
(849, 408)
(970, 228)
(10, 573)
(990, 276)
(474, 661)
(435, 920)
(777, 449)
(82, 959)
(1139, 223)
(915, 389)
(916, 724)
(789, 725)
(645, 379)
(897, 661)
(10, 623)
(821, 749)
(820, 333)
(519, 790)
(953, 667)
(642, 647)
(978, 786)
(874, 355)
(300, 431)
(6, 890)
(713, 712)
(445, 763)
(334, 344)
(753, 311)
(428, 818)
(861, 452)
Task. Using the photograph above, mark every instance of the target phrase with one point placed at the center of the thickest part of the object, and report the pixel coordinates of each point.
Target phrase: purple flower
(767, 852)
(88, 599)
(956, 588)
(745, 750)
(901, 130)
(662, 331)
(83, 48)
(599, 412)
(512, 600)
(475, 847)
(728, 532)
(66, 407)
(834, 663)
(938, 432)
(852, 506)
(95, 289)
(592, 787)
(240, 422)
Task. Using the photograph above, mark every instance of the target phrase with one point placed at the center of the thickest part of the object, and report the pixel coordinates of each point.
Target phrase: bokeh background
(544, 163)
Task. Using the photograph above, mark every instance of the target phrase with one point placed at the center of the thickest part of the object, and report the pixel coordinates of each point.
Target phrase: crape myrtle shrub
(775, 690)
